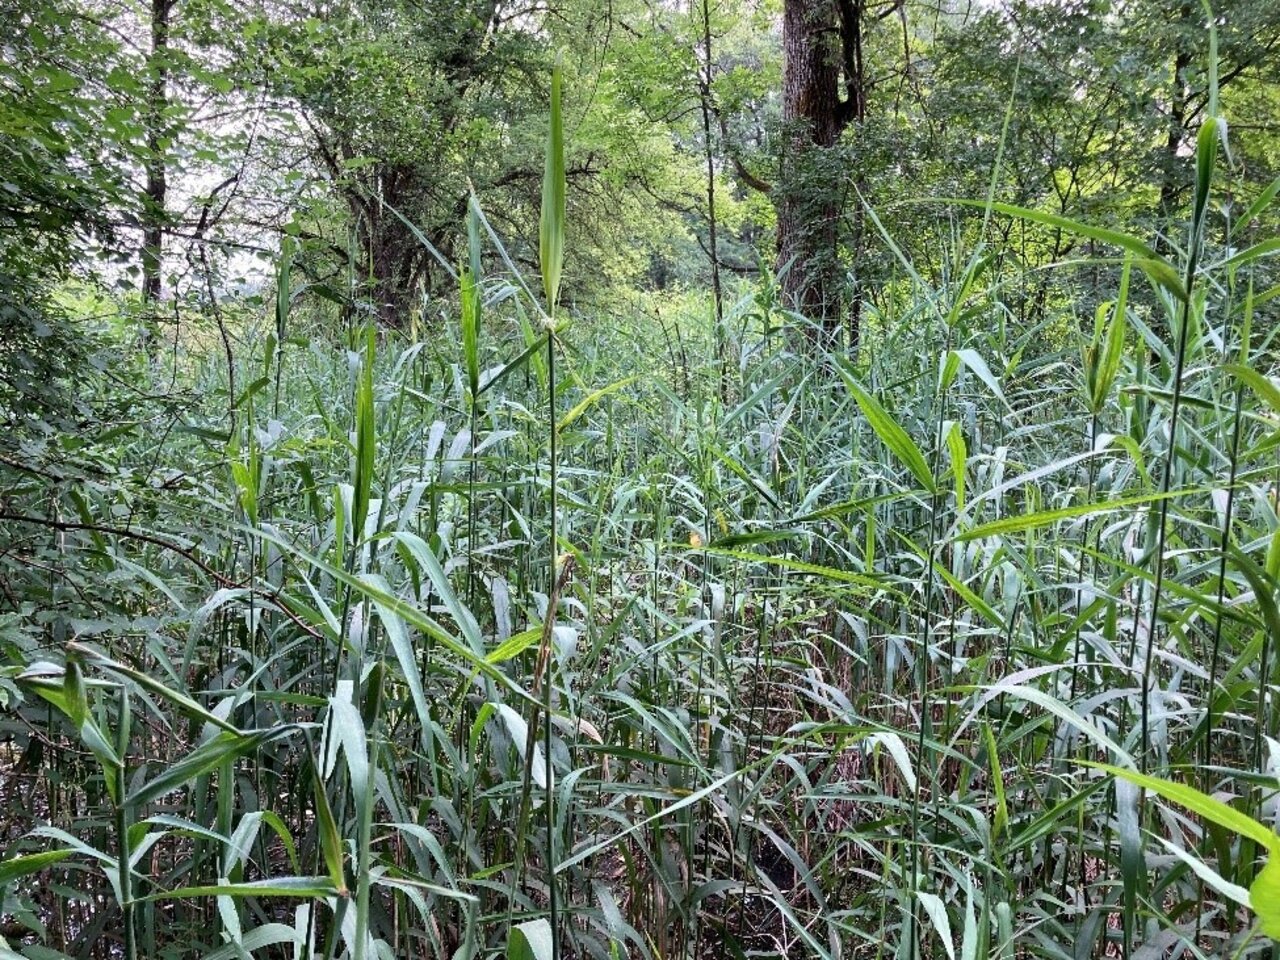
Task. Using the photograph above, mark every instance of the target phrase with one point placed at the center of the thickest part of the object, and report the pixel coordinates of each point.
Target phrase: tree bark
(390, 256)
(713, 252)
(822, 45)
(153, 201)
(1170, 187)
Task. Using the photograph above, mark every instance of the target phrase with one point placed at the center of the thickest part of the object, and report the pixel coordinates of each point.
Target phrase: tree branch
(186, 554)
(740, 168)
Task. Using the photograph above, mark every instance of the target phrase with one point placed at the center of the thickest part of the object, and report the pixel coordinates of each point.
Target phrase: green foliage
(530, 941)
(662, 639)
(552, 227)
(64, 176)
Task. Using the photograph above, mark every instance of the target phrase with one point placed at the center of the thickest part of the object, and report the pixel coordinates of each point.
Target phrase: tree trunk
(821, 42)
(153, 211)
(717, 291)
(393, 262)
(1170, 186)
(388, 245)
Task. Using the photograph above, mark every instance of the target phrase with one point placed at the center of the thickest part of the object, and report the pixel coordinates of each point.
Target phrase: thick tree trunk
(153, 202)
(396, 265)
(393, 262)
(821, 45)
(387, 244)
(398, 274)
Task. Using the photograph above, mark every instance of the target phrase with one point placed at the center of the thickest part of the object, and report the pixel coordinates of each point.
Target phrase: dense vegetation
(787, 478)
